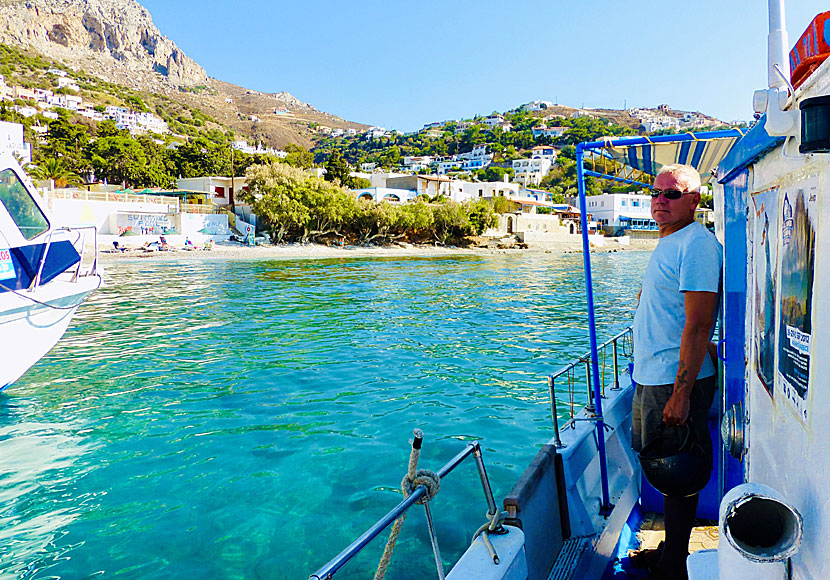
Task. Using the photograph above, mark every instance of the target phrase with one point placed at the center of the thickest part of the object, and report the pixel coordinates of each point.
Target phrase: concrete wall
(214, 224)
(97, 213)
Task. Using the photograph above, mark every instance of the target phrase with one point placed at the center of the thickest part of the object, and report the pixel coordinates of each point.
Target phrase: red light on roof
(810, 50)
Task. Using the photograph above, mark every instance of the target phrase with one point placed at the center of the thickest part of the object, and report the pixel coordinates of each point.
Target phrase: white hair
(685, 174)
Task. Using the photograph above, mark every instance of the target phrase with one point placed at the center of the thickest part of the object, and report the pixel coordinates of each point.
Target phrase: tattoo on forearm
(682, 374)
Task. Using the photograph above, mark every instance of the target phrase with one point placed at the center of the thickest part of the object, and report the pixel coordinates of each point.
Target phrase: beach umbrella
(148, 190)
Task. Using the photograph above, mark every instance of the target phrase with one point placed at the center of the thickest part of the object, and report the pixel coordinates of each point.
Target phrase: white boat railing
(80, 244)
(624, 341)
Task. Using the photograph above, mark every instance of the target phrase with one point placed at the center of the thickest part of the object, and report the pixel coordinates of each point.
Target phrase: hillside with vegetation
(75, 149)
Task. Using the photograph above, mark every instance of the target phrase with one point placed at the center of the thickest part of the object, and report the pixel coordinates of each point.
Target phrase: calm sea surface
(248, 419)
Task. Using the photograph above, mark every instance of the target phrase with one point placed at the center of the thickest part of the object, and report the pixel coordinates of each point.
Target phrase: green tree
(201, 156)
(337, 170)
(299, 156)
(55, 169)
(68, 142)
(296, 204)
(117, 159)
(482, 216)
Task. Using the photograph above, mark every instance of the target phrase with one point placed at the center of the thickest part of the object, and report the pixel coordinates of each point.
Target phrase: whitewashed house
(429, 185)
(493, 120)
(544, 152)
(386, 194)
(68, 83)
(537, 105)
(552, 132)
(622, 211)
(490, 189)
(11, 139)
(217, 188)
(375, 133)
(531, 171)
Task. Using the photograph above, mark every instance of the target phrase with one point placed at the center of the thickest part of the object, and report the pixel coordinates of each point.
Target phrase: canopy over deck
(637, 160)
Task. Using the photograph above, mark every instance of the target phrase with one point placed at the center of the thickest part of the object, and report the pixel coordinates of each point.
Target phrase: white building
(531, 171)
(544, 152)
(11, 139)
(149, 122)
(537, 105)
(90, 113)
(26, 111)
(622, 210)
(658, 123)
(490, 189)
(416, 163)
(387, 194)
(218, 188)
(552, 132)
(67, 83)
(429, 185)
(375, 132)
(493, 120)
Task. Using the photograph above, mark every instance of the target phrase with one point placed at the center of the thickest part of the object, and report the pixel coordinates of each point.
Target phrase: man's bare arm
(694, 344)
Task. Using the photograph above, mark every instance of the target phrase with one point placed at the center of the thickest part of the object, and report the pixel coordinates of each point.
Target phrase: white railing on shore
(174, 204)
(201, 208)
(80, 194)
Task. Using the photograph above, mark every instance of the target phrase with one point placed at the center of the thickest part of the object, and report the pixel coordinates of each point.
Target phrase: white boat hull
(31, 323)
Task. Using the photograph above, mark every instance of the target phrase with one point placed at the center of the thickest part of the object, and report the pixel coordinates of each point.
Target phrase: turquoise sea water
(248, 419)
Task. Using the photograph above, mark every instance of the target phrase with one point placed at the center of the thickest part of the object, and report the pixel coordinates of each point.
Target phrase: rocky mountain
(116, 41)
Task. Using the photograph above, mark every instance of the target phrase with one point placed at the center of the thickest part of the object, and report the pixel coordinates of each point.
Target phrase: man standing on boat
(676, 380)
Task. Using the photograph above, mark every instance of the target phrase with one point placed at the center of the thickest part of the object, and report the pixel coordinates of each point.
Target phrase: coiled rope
(413, 478)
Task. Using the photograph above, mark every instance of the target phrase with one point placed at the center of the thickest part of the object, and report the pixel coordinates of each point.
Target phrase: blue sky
(401, 65)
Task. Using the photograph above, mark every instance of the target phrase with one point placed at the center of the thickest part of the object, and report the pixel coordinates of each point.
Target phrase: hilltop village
(504, 196)
(138, 164)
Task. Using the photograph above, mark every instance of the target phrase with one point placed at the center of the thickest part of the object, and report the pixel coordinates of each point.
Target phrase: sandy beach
(227, 250)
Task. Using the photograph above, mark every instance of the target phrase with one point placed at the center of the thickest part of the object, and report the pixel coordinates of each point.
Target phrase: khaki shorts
(649, 402)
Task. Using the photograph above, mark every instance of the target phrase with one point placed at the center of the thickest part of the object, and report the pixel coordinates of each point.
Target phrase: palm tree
(55, 169)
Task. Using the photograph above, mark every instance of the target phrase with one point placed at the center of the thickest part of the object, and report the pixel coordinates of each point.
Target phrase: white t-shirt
(687, 260)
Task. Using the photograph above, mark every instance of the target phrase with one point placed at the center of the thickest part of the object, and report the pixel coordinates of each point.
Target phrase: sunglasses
(668, 193)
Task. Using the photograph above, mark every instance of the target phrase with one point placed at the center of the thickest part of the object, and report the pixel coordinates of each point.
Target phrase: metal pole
(590, 407)
(439, 565)
(616, 368)
(485, 483)
(605, 508)
(556, 440)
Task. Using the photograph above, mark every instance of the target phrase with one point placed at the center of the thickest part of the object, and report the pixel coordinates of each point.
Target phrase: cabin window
(21, 206)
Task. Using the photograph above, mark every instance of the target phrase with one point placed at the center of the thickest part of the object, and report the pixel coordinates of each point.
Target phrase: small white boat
(46, 272)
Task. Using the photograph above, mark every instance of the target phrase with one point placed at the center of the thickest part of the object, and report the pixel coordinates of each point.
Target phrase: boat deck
(652, 532)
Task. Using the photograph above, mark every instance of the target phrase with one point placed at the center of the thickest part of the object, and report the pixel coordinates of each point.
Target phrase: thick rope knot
(425, 477)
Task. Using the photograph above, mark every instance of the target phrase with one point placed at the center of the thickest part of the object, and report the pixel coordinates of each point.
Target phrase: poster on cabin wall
(798, 211)
(763, 239)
